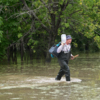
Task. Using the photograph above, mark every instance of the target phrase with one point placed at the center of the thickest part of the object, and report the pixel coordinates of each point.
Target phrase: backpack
(53, 50)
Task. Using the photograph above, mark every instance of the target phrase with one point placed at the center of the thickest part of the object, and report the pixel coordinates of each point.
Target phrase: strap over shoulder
(58, 44)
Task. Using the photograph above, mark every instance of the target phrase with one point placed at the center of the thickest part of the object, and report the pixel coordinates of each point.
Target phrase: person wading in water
(64, 56)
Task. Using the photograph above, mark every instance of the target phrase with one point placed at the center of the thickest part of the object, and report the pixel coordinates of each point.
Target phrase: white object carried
(63, 38)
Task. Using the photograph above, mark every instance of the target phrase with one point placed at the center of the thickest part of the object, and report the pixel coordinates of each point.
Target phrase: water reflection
(37, 82)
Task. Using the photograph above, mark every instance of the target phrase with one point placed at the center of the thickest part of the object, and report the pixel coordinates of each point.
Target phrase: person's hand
(62, 43)
(72, 57)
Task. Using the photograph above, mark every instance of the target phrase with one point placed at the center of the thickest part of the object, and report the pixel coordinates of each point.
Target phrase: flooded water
(36, 82)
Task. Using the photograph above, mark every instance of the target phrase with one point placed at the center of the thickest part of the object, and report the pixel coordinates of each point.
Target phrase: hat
(68, 37)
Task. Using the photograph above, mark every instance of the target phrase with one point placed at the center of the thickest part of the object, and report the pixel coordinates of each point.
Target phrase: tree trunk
(8, 55)
(50, 43)
(15, 53)
(31, 56)
(22, 52)
(11, 53)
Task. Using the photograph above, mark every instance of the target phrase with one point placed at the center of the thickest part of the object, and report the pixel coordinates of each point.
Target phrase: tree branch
(45, 5)
(30, 31)
(33, 14)
(63, 7)
(74, 12)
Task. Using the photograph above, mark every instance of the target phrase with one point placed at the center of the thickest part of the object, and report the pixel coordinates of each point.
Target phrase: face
(69, 41)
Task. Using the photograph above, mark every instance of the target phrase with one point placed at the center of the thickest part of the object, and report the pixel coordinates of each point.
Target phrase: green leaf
(1, 21)
(19, 35)
(7, 4)
(61, 2)
(19, 28)
(34, 51)
(66, 25)
(1, 32)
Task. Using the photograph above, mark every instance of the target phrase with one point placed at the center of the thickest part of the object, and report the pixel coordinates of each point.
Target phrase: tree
(39, 23)
(57, 16)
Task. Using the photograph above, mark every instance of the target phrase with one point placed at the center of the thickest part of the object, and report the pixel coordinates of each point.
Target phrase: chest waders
(63, 59)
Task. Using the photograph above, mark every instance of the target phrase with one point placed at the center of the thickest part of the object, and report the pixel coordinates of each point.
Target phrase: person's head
(68, 39)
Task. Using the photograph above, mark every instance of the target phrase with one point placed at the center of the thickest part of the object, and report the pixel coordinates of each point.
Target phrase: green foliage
(75, 44)
(66, 25)
(97, 40)
(1, 21)
(20, 35)
(80, 18)
(1, 32)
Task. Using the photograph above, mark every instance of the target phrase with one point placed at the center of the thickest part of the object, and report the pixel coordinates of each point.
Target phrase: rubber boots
(60, 74)
(67, 75)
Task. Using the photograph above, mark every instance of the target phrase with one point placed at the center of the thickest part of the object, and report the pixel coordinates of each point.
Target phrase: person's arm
(72, 57)
(60, 48)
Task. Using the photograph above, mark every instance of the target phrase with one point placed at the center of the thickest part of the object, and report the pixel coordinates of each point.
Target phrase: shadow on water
(37, 81)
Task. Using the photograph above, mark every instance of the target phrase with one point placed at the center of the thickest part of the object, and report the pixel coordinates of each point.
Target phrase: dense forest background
(28, 28)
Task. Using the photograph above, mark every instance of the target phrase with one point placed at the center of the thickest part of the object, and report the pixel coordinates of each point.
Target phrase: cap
(68, 37)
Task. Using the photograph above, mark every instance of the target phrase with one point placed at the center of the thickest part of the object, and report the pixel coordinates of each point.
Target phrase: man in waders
(64, 51)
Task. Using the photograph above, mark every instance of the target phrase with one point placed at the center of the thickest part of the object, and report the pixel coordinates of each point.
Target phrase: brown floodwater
(37, 81)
